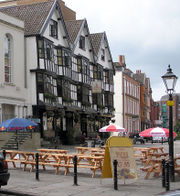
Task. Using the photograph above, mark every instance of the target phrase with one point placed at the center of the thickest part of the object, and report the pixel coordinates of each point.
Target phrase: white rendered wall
(31, 61)
(13, 93)
(118, 98)
(86, 53)
(105, 63)
(61, 33)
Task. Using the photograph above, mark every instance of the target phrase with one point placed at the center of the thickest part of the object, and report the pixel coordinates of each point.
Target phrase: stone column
(16, 111)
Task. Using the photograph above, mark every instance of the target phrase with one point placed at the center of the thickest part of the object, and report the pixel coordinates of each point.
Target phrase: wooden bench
(54, 164)
(93, 168)
(154, 167)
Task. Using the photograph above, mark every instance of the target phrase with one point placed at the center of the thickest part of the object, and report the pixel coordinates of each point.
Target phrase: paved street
(55, 185)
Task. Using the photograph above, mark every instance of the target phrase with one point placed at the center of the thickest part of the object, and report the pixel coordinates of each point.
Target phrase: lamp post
(169, 80)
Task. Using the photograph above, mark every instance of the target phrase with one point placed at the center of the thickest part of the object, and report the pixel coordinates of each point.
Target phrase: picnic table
(82, 150)
(47, 150)
(19, 157)
(56, 160)
(156, 155)
(85, 161)
(154, 164)
(142, 153)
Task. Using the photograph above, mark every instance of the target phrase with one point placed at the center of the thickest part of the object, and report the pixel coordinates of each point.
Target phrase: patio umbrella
(112, 128)
(156, 132)
(17, 124)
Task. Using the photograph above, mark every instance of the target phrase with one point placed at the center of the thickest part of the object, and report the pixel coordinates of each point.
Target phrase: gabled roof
(73, 27)
(35, 16)
(140, 77)
(96, 41)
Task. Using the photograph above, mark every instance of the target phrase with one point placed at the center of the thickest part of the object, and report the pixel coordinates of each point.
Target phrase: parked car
(4, 174)
(159, 139)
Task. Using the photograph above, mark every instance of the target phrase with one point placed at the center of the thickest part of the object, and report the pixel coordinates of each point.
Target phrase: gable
(104, 55)
(61, 37)
(34, 15)
(87, 51)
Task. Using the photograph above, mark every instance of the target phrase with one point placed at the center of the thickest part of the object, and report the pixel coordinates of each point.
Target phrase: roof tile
(34, 15)
(73, 28)
(96, 41)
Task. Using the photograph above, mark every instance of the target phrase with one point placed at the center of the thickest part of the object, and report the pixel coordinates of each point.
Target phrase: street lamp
(169, 80)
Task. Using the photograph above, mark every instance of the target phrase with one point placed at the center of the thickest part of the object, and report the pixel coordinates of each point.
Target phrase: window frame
(82, 42)
(53, 28)
(8, 72)
(102, 54)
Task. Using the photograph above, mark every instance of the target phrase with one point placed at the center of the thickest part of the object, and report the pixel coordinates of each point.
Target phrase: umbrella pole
(17, 140)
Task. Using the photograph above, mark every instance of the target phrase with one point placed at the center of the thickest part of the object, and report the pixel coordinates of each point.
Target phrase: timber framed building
(69, 72)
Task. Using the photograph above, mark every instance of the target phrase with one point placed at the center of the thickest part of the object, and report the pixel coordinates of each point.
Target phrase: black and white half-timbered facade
(69, 72)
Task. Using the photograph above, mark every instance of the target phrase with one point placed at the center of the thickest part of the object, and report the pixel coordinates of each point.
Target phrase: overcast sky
(147, 32)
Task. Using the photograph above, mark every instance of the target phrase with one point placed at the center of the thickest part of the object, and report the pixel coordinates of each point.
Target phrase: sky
(147, 32)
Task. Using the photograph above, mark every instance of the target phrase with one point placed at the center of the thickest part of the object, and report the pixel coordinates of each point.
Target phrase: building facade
(145, 99)
(13, 86)
(126, 98)
(69, 75)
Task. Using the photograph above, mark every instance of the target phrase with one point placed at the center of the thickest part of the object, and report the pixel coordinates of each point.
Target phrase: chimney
(122, 60)
(138, 71)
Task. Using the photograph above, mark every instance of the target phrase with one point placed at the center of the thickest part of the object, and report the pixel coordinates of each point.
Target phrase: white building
(13, 89)
(126, 98)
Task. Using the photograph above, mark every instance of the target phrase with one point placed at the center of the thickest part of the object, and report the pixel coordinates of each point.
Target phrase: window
(66, 90)
(98, 72)
(79, 93)
(102, 54)
(108, 100)
(95, 72)
(73, 92)
(106, 77)
(111, 77)
(67, 59)
(41, 48)
(79, 62)
(53, 29)
(82, 42)
(97, 99)
(48, 52)
(8, 58)
(40, 82)
(85, 95)
(48, 84)
(59, 88)
(59, 57)
(74, 65)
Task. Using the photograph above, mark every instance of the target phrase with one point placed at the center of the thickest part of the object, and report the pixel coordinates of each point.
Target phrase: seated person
(98, 140)
(82, 139)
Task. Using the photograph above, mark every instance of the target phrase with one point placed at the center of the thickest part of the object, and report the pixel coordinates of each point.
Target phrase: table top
(53, 150)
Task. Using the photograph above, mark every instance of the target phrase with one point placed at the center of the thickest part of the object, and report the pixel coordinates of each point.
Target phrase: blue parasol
(17, 124)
